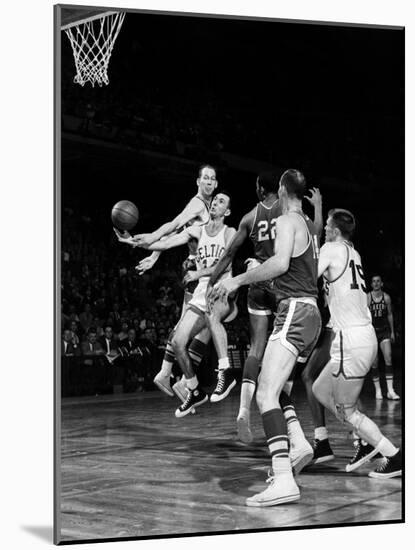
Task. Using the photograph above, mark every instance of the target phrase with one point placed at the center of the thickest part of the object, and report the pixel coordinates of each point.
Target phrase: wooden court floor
(130, 468)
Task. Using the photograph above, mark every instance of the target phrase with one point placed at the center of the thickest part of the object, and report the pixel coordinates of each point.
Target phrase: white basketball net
(92, 43)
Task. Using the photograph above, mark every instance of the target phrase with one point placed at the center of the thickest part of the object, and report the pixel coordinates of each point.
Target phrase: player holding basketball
(260, 226)
(354, 347)
(293, 268)
(380, 306)
(196, 213)
(212, 240)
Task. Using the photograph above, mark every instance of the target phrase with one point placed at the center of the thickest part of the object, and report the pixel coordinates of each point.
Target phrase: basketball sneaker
(378, 395)
(392, 395)
(322, 451)
(194, 398)
(282, 488)
(225, 383)
(244, 429)
(391, 466)
(180, 389)
(162, 381)
(363, 453)
(300, 454)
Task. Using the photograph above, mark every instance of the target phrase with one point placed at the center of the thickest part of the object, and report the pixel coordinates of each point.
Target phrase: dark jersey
(301, 278)
(263, 230)
(379, 312)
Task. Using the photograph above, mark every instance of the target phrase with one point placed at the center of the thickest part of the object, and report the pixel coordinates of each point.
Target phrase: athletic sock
(197, 351)
(389, 377)
(192, 383)
(294, 430)
(223, 363)
(275, 429)
(386, 447)
(321, 433)
(169, 357)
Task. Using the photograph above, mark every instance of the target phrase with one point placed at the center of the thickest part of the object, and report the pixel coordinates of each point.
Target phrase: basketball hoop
(92, 42)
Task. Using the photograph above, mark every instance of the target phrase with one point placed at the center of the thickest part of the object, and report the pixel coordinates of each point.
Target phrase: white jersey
(346, 295)
(209, 251)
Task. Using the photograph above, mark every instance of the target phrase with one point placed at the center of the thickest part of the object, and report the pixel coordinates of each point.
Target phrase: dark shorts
(297, 325)
(383, 333)
(261, 300)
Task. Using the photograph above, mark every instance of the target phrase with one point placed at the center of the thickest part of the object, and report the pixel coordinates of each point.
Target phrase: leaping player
(354, 346)
(211, 240)
(195, 213)
(380, 306)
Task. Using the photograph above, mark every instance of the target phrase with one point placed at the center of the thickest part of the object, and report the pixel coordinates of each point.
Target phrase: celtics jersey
(301, 278)
(346, 295)
(263, 230)
(209, 250)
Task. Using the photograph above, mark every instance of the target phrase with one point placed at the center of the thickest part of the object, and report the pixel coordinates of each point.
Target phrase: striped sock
(276, 433)
(197, 350)
(295, 432)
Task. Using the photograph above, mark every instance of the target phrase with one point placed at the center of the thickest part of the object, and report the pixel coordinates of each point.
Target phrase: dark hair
(91, 330)
(294, 182)
(224, 192)
(344, 221)
(107, 325)
(268, 181)
(202, 166)
(376, 275)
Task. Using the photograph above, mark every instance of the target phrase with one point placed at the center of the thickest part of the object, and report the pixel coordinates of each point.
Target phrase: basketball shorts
(383, 333)
(261, 299)
(353, 351)
(198, 301)
(297, 325)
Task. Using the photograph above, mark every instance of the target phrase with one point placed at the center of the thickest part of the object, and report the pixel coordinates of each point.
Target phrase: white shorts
(198, 302)
(353, 351)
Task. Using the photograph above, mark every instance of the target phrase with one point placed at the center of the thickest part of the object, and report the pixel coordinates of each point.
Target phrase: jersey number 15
(356, 267)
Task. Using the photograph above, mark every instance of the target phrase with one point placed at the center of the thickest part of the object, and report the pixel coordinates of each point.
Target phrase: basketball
(124, 215)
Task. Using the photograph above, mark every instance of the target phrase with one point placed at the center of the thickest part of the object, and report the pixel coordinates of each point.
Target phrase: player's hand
(143, 240)
(223, 289)
(251, 263)
(393, 338)
(145, 264)
(190, 277)
(124, 237)
(315, 199)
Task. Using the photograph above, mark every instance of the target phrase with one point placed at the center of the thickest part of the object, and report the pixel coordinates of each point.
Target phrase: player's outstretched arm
(175, 240)
(236, 239)
(193, 209)
(316, 200)
(274, 267)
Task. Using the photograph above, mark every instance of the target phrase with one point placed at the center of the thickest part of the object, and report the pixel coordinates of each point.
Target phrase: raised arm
(236, 240)
(193, 209)
(316, 200)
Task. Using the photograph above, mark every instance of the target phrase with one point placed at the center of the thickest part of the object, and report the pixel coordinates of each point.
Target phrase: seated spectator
(69, 349)
(92, 346)
(86, 318)
(110, 345)
(74, 328)
(123, 334)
